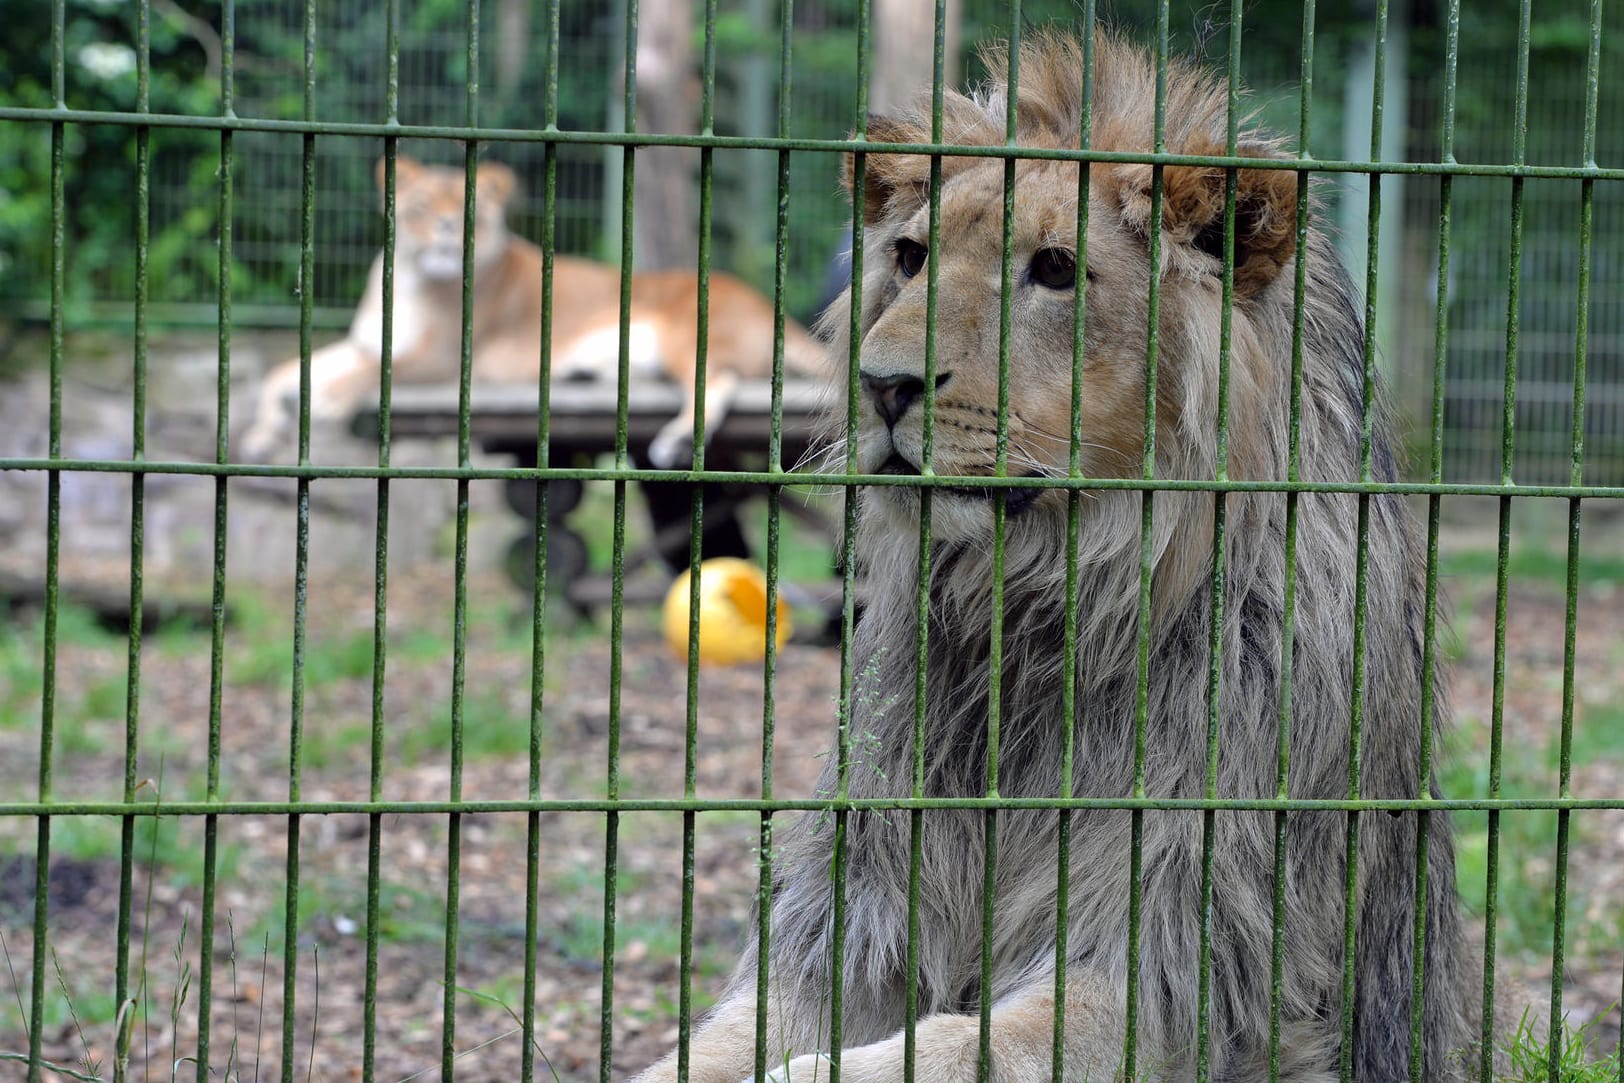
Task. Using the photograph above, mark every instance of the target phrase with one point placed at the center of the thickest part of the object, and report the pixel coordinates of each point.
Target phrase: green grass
(333, 906)
(578, 937)
(804, 555)
(170, 847)
(269, 660)
(1527, 1056)
(1532, 564)
(89, 714)
(1598, 734)
(1526, 891)
(21, 676)
(489, 728)
(85, 997)
(22, 661)
(328, 745)
(259, 644)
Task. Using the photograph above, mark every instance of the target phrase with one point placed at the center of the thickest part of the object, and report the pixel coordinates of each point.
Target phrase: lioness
(1049, 267)
(427, 341)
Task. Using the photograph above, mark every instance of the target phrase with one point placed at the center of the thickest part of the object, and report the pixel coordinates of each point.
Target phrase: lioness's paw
(671, 450)
(262, 439)
(325, 409)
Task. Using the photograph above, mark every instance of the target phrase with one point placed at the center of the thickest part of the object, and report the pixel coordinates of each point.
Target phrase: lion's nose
(894, 394)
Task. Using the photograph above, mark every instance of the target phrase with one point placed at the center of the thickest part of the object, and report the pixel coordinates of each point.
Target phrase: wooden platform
(503, 417)
(503, 420)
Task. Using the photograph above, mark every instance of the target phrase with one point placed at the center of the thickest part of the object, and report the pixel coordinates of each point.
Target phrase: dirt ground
(329, 950)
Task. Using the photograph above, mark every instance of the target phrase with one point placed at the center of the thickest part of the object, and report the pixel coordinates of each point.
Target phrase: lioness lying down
(1050, 265)
(427, 342)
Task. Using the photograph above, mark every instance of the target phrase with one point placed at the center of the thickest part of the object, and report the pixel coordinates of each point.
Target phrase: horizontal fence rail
(1588, 171)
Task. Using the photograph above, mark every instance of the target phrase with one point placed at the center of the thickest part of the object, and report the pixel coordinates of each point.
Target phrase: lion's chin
(957, 515)
(441, 263)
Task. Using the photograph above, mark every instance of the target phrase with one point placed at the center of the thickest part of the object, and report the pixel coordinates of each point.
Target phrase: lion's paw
(812, 1068)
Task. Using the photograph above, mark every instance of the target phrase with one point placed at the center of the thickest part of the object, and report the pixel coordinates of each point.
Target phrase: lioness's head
(1048, 267)
(428, 202)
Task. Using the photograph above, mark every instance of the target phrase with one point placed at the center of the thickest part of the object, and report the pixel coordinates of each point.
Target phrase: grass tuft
(1528, 1057)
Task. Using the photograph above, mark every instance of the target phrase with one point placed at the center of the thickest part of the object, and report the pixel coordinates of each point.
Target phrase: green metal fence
(554, 146)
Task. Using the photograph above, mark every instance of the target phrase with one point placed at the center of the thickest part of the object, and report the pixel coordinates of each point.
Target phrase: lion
(507, 319)
(1049, 265)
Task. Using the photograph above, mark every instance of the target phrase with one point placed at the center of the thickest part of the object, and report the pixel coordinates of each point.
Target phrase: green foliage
(99, 160)
(351, 70)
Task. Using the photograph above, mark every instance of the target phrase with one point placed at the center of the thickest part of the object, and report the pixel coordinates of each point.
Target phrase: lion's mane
(1321, 686)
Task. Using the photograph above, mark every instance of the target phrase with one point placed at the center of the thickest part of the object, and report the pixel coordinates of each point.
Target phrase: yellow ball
(732, 613)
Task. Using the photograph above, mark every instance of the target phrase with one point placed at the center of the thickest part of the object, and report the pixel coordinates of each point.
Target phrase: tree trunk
(665, 221)
(512, 46)
(904, 52)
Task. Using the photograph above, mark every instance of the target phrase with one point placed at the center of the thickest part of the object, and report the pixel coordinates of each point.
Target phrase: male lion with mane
(1022, 938)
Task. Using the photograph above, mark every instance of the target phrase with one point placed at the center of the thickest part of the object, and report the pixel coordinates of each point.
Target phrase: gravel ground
(329, 951)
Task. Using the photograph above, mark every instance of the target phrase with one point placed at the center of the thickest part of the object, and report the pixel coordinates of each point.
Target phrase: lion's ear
(406, 170)
(1193, 212)
(494, 183)
(890, 179)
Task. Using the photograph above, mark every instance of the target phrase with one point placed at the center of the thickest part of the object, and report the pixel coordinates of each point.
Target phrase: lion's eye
(1054, 267)
(911, 256)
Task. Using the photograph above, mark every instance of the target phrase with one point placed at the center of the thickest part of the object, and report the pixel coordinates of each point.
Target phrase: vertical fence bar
(696, 528)
(538, 604)
(1429, 640)
(1074, 522)
(459, 620)
(1136, 853)
(927, 454)
(1288, 621)
(301, 558)
(217, 624)
(775, 497)
(1220, 509)
(848, 551)
(995, 651)
(1508, 427)
(380, 581)
(1362, 553)
(1587, 212)
(617, 569)
(138, 452)
(53, 526)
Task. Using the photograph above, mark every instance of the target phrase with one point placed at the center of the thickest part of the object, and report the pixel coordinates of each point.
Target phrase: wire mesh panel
(947, 782)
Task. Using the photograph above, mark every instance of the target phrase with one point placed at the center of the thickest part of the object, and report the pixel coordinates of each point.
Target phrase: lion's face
(1045, 275)
(429, 206)
(1044, 278)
